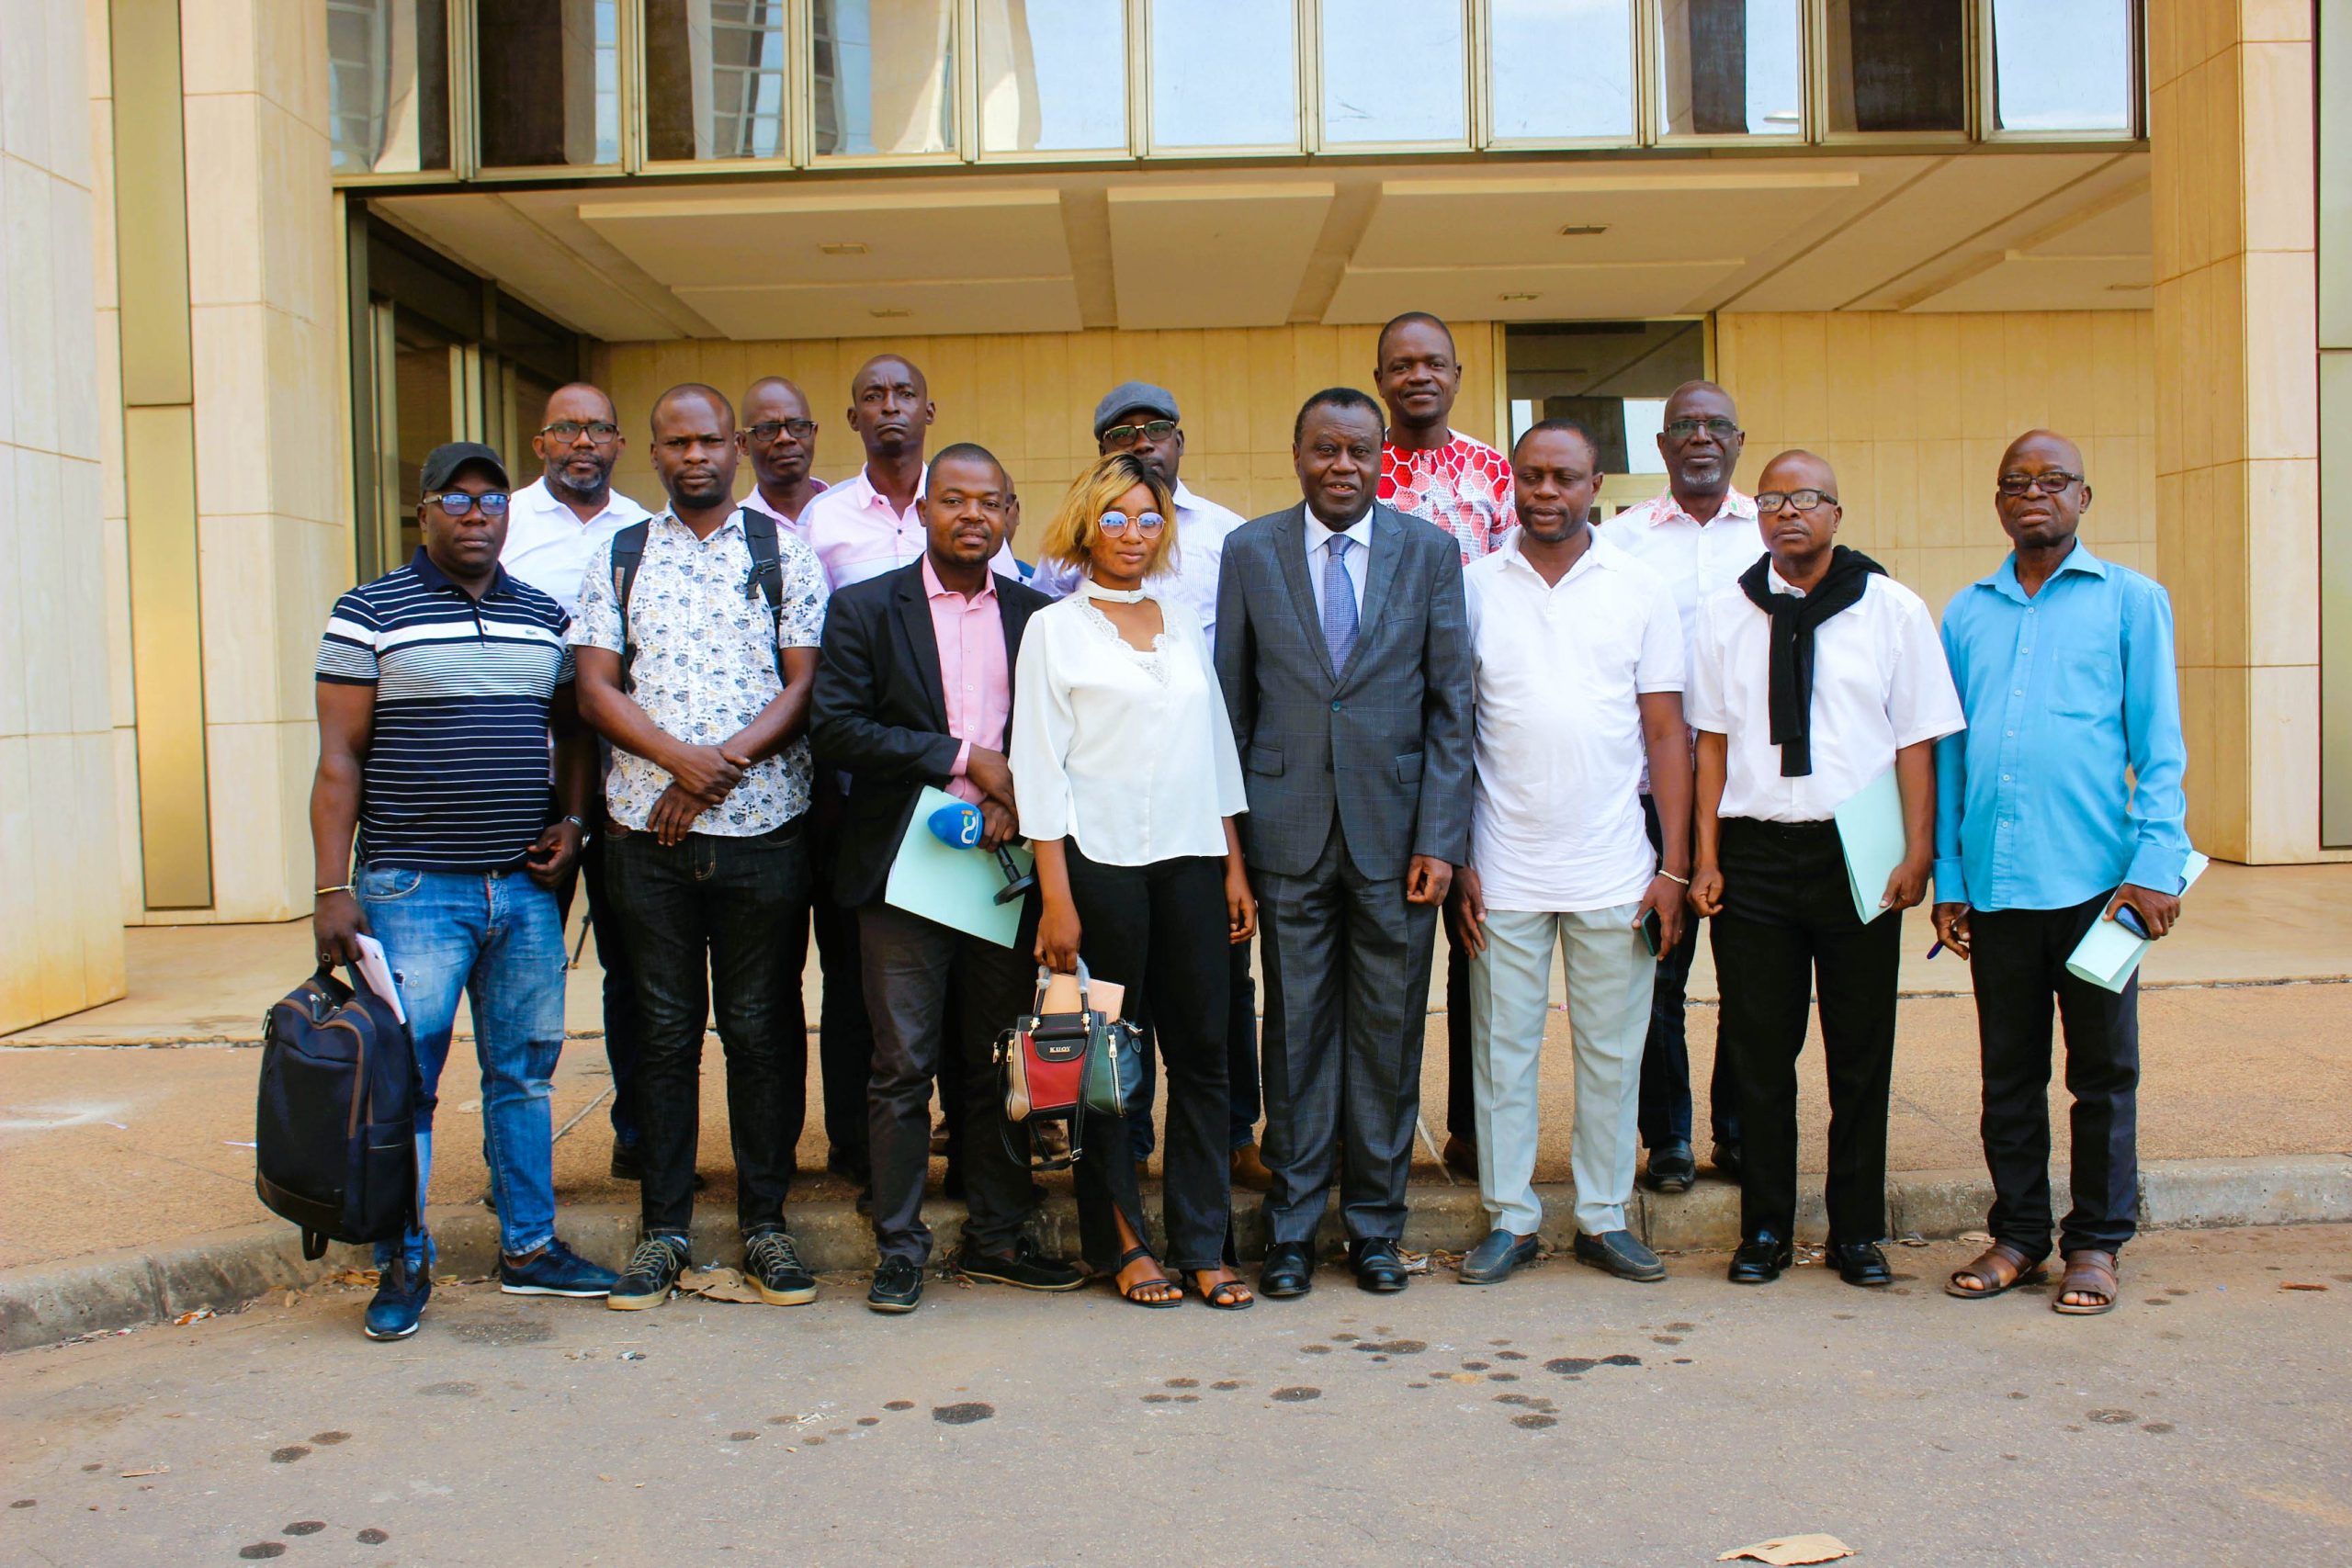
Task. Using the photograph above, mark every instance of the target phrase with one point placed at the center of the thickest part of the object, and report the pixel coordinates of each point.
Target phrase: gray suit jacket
(1384, 742)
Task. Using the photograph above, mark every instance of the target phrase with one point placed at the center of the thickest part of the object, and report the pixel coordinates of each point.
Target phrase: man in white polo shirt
(1579, 684)
(555, 526)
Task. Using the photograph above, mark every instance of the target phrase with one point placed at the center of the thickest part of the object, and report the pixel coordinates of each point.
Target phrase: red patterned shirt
(1464, 487)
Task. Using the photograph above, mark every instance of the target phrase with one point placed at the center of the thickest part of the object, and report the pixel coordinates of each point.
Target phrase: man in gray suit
(1343, 648)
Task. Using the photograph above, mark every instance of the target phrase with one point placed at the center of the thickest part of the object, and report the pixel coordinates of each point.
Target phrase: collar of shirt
(1317, 536)
(433, 577)
(934, 588)
(862, 494)
(1665, 509)
(1596, 558)
(538, 499)
(759, 502)
(667, 521)
(2005, 583)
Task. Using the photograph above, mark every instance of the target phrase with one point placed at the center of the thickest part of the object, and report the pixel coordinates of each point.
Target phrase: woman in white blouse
(1124, 772)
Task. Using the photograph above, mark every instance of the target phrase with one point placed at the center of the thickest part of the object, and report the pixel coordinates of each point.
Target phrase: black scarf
(1794, 620)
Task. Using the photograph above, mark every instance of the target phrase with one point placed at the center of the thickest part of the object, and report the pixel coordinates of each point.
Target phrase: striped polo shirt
(456, 775)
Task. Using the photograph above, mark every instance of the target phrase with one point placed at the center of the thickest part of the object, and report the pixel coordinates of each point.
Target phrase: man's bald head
(2042, 494)
(1797, 469)
(581, 401)
(889, 406)
(2047, 443)
(1799, 538)
(778, 436)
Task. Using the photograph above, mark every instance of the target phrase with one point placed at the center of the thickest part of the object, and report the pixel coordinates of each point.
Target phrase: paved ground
(1563, 1418)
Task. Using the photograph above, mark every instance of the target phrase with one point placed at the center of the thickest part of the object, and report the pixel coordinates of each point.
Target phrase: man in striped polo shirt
(438, 685)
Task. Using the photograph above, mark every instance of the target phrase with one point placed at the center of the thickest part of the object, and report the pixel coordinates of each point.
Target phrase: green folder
(2107, 956)
(955, 887)
(1870, 825)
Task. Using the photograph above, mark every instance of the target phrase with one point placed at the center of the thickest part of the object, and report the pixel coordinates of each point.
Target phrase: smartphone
(2128, 919)
(1653, 932)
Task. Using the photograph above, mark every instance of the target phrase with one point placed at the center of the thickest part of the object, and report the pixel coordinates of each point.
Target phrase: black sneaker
(653, 1273)
(772, 1265)
(898, 1286)
(402, 1288)
(1028, 1269)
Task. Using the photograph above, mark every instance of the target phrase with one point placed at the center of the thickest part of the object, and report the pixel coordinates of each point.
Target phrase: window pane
(1562, 69)
(884, 76)
(715, 78)
(388, 85)
(2062, 64)
(1392, 71)
(548, 81)
(1224, 73)
(1896, 65)
(1730, 68)
(1053, 74)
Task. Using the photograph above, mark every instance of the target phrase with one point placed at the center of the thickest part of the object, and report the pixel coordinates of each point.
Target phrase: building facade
(262, 254)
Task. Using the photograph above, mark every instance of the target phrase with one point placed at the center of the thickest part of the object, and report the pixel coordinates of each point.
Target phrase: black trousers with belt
(2018, 964)
(1787, 919)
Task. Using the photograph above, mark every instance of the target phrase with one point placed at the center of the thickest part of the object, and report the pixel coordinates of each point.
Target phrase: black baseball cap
(441, 465)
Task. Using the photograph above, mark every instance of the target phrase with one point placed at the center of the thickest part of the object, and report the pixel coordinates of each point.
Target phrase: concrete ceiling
(1009, 251)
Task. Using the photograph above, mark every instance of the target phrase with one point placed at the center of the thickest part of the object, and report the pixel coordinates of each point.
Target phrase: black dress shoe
(1759, 1259)
(1671, 1167)
(1725, 1158)
(1619, 1253)
(1861, 1263)
(1379, 1267)
(1289, 1270)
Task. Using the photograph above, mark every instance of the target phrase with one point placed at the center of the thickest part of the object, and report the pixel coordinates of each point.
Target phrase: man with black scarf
(1810, 677)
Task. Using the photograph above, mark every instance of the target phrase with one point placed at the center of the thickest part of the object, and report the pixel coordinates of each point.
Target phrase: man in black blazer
(1343, 648)
(914, 688)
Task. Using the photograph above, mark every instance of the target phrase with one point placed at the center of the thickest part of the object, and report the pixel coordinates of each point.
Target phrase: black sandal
(1220, 1295)
(1128, 1293)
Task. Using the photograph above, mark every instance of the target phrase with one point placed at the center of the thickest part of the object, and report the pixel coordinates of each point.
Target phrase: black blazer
(880, 712)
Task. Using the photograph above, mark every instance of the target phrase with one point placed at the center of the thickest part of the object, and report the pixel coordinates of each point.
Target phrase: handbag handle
(1045, 977)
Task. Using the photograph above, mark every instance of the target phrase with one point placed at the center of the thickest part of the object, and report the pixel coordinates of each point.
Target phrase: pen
(1937, 948)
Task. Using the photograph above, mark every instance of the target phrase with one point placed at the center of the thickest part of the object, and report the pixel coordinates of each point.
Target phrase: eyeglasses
(1720, 428)
(599, 431)
(2050, 481)
(1146, 526)
(767, 430)
(1119, 438)
(455, 503)
(1802, 500)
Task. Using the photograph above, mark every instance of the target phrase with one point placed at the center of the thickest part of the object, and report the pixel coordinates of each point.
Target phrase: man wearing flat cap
(1141, 420)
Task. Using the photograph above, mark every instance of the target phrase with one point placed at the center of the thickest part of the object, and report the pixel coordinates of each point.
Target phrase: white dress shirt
(1696, 559)
(857, 534)
(1128, 752)
(1555, 816)
(1880, 683)
(1201, 528)
(1356, 563)
(548, 547)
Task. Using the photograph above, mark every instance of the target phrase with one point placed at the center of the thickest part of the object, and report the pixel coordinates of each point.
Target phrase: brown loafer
(1249, 1170)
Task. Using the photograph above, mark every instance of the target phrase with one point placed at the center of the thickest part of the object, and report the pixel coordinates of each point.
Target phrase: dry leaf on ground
(1786, 1551)
(716, 1284)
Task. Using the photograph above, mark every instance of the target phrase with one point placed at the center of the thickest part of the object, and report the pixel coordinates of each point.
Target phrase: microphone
(958, 827)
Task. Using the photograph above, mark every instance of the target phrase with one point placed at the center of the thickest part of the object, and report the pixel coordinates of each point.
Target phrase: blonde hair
(1070, 537)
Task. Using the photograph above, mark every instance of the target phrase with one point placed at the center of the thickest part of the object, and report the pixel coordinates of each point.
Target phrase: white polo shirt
(550, 548)
(1201, 528)
(1555, 819)
(1880, 683)
(857, 534)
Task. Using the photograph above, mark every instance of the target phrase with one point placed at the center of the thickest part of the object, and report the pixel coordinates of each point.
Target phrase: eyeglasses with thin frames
(767, 430)
(1119, 438)
(1145, 525)
(599, 431)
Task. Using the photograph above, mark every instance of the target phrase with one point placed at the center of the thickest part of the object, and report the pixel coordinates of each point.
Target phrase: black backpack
(334, 1124)
(767, 575)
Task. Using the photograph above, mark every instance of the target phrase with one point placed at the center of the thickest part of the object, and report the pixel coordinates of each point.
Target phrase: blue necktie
(1338, 602)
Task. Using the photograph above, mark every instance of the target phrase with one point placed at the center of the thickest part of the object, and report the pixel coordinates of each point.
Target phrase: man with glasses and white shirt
(555, 525)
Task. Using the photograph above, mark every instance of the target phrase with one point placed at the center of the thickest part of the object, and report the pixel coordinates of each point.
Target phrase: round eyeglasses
(1146, 525)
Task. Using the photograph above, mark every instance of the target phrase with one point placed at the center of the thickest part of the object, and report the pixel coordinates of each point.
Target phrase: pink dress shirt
(973, 675)
(799, 526)
(857, 534)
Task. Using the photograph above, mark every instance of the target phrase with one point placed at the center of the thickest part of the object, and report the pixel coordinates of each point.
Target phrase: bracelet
(1680, 881)
(338, 887)
(574, 821)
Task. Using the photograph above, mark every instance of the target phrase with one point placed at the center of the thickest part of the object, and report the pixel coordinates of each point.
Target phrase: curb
(44, 1303)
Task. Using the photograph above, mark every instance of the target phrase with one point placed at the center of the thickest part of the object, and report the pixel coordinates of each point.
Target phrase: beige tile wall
(1915, 411)
(2236, 419)
(1030, 398)
(61, 917)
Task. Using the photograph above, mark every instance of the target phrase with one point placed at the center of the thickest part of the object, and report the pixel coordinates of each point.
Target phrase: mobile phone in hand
(1653, 932)
(2128, 919)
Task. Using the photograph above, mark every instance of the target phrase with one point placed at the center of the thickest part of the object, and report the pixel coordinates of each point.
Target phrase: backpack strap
(767, 575)
(629, 554)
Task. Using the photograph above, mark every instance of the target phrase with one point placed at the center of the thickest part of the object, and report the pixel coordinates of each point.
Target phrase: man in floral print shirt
(1464, 487)
(707, 862)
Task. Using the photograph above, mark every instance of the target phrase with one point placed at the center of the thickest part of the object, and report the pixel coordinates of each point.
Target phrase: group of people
(1436, 687)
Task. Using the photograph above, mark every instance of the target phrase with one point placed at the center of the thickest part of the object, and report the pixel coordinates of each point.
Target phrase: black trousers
(1160, 930)
(1461, 1091)
(909, 965)
(1788, 917)
(1666, 1053)
(1241, 1062)
(622, 1031)
(2018, 964)
(844, 1034)
(715, 927)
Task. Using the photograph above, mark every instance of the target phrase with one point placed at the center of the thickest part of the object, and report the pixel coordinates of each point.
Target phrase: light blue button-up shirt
(2067, 781)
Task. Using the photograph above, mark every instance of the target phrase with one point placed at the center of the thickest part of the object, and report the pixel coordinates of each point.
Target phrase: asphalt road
(1563, 1418)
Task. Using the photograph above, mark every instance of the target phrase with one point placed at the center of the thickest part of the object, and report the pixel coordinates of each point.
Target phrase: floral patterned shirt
(704, 667)
(1464, 487)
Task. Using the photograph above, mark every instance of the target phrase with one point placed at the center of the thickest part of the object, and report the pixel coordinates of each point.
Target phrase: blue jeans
(496, 940)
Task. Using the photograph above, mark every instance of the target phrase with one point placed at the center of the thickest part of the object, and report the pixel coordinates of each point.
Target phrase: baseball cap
(1128, 395)
(441, 464)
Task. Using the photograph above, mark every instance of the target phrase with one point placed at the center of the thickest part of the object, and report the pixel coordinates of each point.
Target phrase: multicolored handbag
(1063, 1066)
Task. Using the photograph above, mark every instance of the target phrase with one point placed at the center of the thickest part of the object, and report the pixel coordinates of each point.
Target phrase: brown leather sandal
(1999, 1268)
(2089, 1272)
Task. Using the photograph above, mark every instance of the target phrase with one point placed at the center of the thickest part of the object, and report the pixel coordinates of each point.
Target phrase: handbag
(1063, 1066)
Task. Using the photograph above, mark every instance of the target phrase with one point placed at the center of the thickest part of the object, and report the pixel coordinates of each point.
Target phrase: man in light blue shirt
(2058, 805)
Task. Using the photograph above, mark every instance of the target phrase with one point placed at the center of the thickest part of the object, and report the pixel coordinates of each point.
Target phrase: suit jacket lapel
(922, 642)
(1015, 617)
(1387, 549)
(1290, 545)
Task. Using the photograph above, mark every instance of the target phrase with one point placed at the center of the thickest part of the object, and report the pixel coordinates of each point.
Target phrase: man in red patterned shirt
(1464, 487)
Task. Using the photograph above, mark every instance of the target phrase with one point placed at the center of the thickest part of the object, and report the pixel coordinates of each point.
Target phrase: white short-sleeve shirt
(1556, 822)
(1880, 683)
(550, 548)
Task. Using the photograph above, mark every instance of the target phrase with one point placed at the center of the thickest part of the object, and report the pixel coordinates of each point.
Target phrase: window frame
(1988, 88)
(1652, 61)
(797, 90)
(1975, 20)
(1474, 13)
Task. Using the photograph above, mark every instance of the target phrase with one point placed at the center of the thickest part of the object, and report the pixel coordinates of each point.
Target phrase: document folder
(956, 888)
(2107, 956)
(1870, 825)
